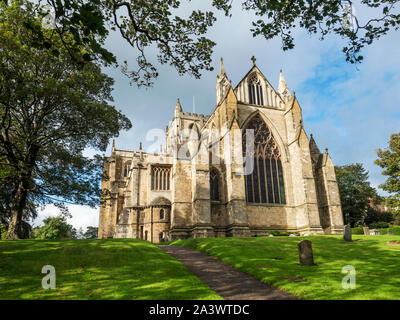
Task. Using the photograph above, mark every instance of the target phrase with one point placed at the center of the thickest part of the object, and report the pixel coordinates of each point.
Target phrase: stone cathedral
(247, 168)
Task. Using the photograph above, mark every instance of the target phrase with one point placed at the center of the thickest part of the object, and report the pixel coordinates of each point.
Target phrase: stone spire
(222, 70)
(313, 146)
(283, 88)
(113, 146)
(314, 150)
(178, 108)
(223, 82)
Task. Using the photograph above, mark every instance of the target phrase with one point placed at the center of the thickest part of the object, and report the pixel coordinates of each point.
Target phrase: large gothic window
(160, 178)
(265, 184)
(255, 91)
(214, 185)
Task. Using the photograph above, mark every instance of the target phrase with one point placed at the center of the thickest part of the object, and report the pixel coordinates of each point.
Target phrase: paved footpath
(228, 282)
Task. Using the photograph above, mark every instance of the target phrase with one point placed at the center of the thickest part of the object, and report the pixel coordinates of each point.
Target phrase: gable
(270, 97)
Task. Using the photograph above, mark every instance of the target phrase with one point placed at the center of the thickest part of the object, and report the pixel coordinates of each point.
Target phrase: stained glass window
(265, 184)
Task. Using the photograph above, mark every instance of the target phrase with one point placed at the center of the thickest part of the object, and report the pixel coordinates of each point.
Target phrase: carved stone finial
(254, 60)
(140, 146)
(326, 150)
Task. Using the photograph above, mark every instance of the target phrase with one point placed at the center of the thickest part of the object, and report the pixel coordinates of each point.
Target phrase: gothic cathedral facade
(247, 168)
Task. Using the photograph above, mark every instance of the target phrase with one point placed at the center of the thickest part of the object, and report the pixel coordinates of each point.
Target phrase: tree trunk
(18, 205)
(20, 194)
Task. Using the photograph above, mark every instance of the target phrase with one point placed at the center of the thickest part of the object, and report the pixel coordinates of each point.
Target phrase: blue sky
(351, 110)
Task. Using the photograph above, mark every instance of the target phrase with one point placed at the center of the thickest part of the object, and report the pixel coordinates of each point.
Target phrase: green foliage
(389, 160)
(106, 269)
(91, 233)
(3, 231)
(51, 110)
(380, 224)
(54, 228)
(357, 230)
(279, 18)
(355, 192)
(376, 219)
(278, 233)
(395, 230)
(182, 42)
(276, 261)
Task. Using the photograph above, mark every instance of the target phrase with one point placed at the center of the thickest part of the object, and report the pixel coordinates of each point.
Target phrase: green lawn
(275, 261)
(96, 269)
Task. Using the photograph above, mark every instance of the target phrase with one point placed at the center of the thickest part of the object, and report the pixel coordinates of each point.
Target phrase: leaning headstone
(347, 233)
(305, 253)
(366, 231)
(389, 232)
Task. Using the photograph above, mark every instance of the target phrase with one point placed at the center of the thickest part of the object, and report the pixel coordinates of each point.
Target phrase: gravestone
(375, 232)
(389, 232)
(305, 253)
(347, 233)
(366, 231)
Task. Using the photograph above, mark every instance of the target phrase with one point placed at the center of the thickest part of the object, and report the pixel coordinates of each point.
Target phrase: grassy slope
(96, 269)
(275, 261)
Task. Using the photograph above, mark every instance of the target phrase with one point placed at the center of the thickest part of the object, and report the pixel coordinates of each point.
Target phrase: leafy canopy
(355, 192)
(389, 160)
(54, 228)
(183, 42)
(51, 109)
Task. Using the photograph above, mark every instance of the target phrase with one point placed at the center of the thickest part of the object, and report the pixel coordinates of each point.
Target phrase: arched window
(255, 91)
(214, 185)
(162, 214)
(160, 178)
(265, 184)
(127, 165)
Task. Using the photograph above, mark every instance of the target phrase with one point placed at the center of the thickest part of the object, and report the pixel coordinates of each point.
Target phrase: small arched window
(162, 215)
(127, 166)
(255, 91)
(214, 185)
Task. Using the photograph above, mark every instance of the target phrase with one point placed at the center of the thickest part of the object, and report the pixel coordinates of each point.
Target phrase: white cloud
(82, 216)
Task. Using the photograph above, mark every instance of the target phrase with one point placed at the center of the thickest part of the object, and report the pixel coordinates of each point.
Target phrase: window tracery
(265, 184)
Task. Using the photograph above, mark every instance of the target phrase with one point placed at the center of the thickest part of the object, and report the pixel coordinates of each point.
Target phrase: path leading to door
(228, 282)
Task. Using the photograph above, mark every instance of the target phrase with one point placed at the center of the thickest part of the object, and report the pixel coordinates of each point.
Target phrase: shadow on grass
(275, 261)
(96, 269)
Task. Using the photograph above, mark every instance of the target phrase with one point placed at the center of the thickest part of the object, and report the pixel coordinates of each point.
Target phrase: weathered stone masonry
(166, 195)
